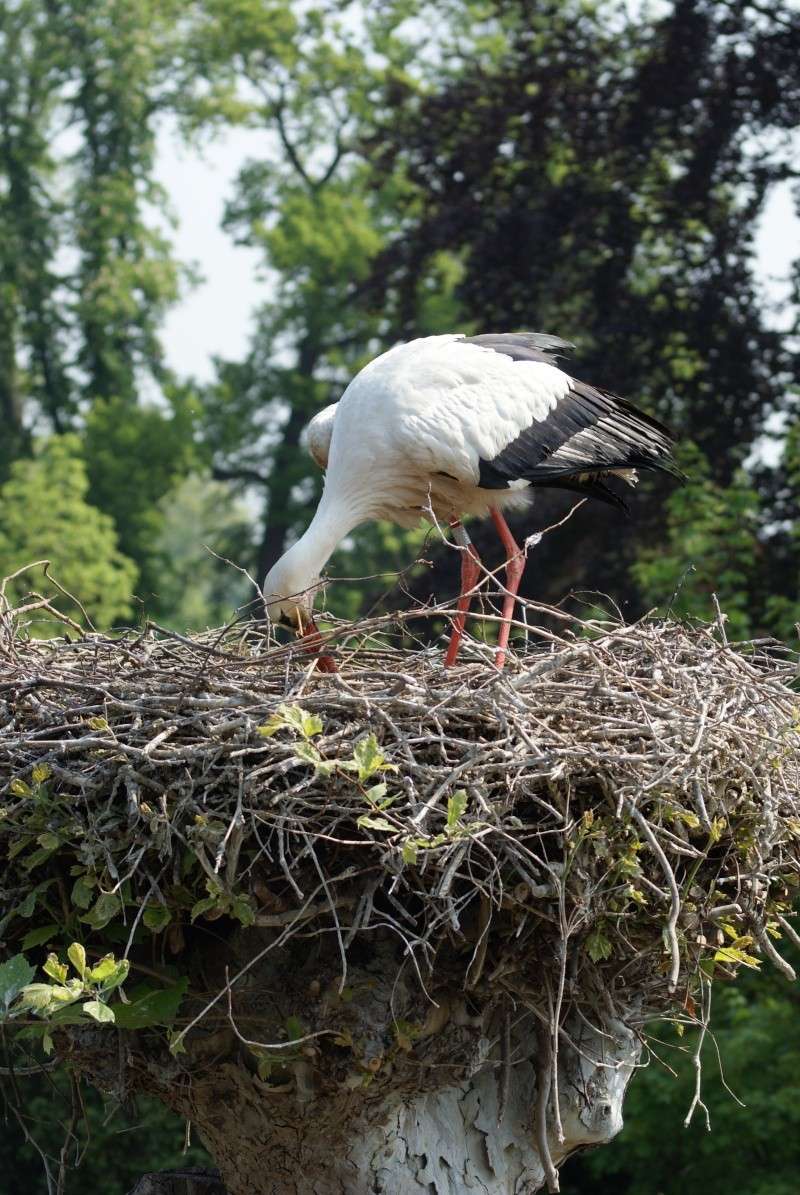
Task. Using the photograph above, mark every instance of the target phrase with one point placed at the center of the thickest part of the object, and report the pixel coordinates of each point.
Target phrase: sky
(214, 317)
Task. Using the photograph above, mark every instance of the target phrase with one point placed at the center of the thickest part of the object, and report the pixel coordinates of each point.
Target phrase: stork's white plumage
(448, 426)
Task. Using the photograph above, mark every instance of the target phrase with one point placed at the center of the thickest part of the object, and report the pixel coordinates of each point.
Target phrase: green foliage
(71, 999)
(781, 591)
(194, 589)
(292, 717)
(117, 62)
(220, 902)
(369, 758)
(45, 515)
(33, 341)
(67, 999)
(151, 1006)
(619, 225)
(122, 1140)
(15, 974)
(86, 272)
(135, 458)
(312, 210)
(712, 547)
(456, 805)
(598, 946)
(322, 240)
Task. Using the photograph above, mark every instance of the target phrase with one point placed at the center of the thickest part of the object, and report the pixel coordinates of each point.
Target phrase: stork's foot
(312, 641)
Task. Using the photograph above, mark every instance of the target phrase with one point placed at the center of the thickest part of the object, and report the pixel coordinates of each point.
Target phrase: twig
(544, 1076)
(674, 913)
(705, 988)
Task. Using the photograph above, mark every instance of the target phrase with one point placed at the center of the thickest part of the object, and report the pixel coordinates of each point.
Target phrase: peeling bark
(391, 1091)
(440, 1142)
(385, 1139)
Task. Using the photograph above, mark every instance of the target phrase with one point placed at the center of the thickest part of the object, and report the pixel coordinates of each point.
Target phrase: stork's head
(318, 435)
(289, 589)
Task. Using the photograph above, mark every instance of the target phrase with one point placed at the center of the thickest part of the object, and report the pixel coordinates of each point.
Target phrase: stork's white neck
(330, 524)
(299, 568)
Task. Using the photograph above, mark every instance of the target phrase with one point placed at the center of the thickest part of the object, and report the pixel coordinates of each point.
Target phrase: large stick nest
(610, 818)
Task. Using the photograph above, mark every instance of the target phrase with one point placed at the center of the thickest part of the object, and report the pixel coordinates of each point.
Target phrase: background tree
(310, 209)
(712, 548)
(33, 352)
(780, 487)
(194, 591)
(138, 457)
(88, 273)
(45, 515)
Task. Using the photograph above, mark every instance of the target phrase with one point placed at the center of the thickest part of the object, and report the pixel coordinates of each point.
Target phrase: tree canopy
(573, 167)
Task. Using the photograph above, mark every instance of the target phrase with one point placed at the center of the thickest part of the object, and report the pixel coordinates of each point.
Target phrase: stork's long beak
(310, 632)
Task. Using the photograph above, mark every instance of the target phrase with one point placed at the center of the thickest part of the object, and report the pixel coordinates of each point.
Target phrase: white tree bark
(454, 1140)
(441, 1142)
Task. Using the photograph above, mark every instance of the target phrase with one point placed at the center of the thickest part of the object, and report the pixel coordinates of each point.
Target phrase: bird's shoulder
(318, 433)
(454, 377)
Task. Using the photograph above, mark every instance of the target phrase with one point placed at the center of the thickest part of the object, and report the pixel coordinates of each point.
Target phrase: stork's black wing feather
(523, 346)
(591, 486)
(588, 431)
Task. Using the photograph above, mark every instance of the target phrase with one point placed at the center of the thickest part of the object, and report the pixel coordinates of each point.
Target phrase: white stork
(448, 426)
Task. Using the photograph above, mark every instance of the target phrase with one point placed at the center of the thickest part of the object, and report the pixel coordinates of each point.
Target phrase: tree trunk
(269, 1141)
(369, 1082)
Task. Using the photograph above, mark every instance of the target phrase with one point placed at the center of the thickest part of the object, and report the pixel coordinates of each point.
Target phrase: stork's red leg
(313, 641)
(515, 567)
(470, 571)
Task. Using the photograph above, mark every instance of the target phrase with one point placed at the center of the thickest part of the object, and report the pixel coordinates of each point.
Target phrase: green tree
(200, 516)
(86, 270)
(118, 58)
(33, 351)
(45, 515)
(118, 1139)
(87, 274)
(135, 456)
(780, 587)
(310, 207)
